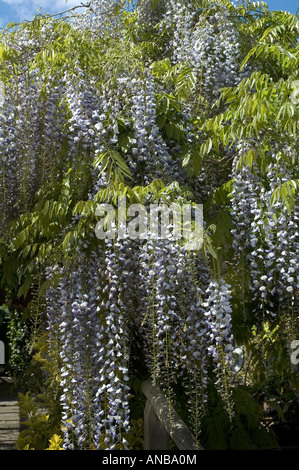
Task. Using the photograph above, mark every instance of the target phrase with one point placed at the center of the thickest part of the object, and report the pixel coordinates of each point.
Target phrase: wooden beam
(173, 425)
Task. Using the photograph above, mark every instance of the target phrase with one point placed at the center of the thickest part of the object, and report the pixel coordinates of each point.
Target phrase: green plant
(19, 338)
(136, 435)
(40, 419)
(247, 431)
(55, 443)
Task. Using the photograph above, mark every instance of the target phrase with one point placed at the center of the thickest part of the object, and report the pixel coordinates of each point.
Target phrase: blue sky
(289, 5)
(17, 10)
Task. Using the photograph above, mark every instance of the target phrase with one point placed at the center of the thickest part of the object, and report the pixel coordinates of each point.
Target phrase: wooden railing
(160, 427)
(2, 353)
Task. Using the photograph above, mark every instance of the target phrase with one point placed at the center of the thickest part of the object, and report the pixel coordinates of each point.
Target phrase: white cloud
(42, 3)
(26, 9)
(13, 2)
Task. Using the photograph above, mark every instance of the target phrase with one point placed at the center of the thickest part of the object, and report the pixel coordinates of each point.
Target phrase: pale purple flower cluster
(98, 18)
(210, 45)
(266, 237)
(218, 319)
(149, 149)
(186, 319)
(87, 316)
(218, 312)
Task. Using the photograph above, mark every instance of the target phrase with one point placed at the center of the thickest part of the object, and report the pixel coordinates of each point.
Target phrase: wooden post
(2, 353)
(156, 415)
(155, 435)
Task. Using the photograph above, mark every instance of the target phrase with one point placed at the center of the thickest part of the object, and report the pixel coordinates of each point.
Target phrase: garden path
(9, 417)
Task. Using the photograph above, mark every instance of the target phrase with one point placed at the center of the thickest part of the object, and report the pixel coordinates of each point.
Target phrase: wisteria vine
(113, 302)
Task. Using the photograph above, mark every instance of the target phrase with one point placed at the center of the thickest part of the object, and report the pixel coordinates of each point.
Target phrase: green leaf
(99, 158)
(24, 288)
(124, 142)
(285, 193)
(246, 159)
(206, 147)
(123, 167)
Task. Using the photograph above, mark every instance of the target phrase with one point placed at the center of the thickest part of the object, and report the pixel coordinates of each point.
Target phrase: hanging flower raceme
(93, 338)
(150, 150)
(174, 325)
(160, 315)
(8, 158)
(99, 16)
(115, 367)
(20, 144)
(209, 44)
(192, 358)
(220, 338)
(269, 233)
